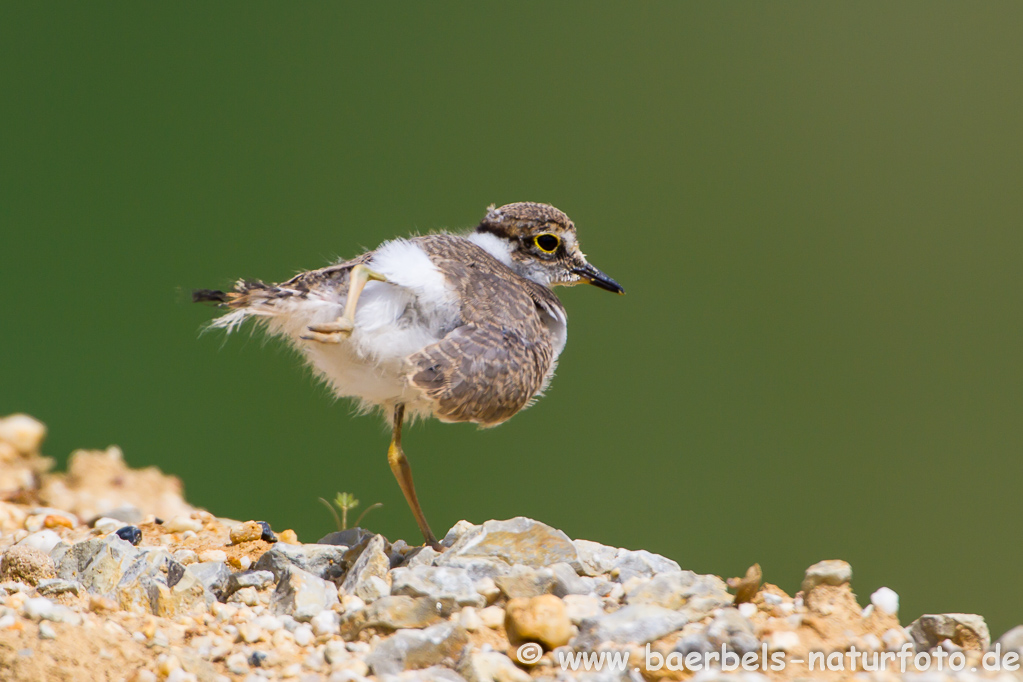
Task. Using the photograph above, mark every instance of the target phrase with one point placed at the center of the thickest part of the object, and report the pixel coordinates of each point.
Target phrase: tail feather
(250, 298)
(209, 296)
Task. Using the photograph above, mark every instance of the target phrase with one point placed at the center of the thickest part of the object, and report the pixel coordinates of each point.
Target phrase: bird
(458, 327)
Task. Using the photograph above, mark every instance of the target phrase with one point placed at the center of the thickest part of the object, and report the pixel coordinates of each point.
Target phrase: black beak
(598, 279)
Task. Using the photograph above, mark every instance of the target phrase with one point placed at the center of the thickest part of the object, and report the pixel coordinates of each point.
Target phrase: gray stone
(832, 572)
(698, 594)
(368, 578)
(640, 563)
(523, 581)
(442, 582)
(1012, 640)
(965, 630)
(635, 623)
(188, 595)
(515, 541)
(424, 556)
(257, 579)
(347, 538)
(57, 586)
(322, 560)
(432, 674)
(478, 567)
(732, 629)
(415, 649)
(491, 666)
(214, 576)
(98, 564)
(302, 595)
(397, 612)
(567, 581)
(594, 558)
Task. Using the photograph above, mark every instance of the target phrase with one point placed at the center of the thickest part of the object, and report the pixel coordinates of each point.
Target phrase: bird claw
(330, 332)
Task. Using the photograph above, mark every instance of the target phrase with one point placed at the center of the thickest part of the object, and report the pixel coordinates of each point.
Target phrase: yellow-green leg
(403, 472)
(334, 332)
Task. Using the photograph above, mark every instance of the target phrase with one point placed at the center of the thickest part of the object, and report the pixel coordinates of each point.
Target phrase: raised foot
(330, 332)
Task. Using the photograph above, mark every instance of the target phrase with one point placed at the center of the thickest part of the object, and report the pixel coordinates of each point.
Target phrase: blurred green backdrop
(815, 208)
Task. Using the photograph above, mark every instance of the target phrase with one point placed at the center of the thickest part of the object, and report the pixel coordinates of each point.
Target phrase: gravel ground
(107, 573)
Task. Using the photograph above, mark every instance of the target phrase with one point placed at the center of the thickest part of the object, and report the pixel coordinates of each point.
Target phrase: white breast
(415, 308)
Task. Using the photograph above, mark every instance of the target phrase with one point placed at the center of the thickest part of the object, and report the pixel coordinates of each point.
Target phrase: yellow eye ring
(547, 242)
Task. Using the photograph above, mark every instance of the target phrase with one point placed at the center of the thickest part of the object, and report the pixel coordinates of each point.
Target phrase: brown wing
(494, 364)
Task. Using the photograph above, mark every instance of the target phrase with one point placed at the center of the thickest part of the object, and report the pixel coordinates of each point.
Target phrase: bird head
(542, 245)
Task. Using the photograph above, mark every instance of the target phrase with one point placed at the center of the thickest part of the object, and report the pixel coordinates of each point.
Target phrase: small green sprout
(347, 502)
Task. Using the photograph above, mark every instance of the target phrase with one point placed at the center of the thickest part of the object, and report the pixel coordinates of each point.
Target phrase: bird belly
(413, 309)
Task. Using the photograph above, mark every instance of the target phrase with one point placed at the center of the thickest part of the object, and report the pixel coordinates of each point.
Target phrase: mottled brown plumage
(462, 328)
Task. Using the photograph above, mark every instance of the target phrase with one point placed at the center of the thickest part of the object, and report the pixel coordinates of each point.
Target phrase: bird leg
(334, 332)
(403, 472)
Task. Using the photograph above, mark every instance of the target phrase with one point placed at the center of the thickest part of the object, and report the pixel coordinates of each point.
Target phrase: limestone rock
(368, 578)
(635, 623)
(700, 594)
(965, 630)
(515, 541)
(437, 583)
(491, 666)
(640, 563)
(302, 595)
(398, 612)
(415, 649)
(834, 572)
(323, 561)
(523, 581)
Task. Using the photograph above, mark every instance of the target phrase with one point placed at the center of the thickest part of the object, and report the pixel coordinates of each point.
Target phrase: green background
(815, 209)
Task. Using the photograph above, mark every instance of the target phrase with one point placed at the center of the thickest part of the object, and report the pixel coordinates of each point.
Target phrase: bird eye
(548, 243)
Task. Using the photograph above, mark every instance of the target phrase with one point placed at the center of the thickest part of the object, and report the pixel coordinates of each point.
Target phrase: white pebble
(250, 632)
(293, 670)
(747, 609)
(244, 563)
(335, 652)
(106, 524)
(186, 557)
(213, 555)
(772, 599)
(180, 524)
(165, 664)
(325, 622)
(492, 616)
(469, 619)
(269, 623)
(46, 631)
(44, 541)
(23, 432)
(886, 600)
(237, 663)
(352, 603)
(487, 588)
(179, 675)
(246, 595)
(315, 660)
(303, 635)
(7, 621)
(40, 608)
(783, 640)
(580, 606)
